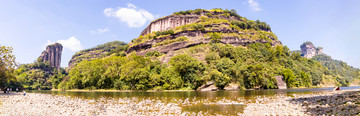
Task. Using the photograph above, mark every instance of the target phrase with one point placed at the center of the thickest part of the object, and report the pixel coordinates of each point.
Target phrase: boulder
(280, 83)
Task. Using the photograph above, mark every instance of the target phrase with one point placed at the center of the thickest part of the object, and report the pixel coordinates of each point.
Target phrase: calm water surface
(246, 95)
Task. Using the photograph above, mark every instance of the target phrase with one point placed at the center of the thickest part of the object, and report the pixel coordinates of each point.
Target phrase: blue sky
(28, 26)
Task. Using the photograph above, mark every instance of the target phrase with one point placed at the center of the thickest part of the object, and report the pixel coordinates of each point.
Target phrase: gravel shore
(319, 103)
(34, 104)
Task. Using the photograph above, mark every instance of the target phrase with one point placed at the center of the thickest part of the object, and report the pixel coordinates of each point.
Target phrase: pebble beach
(344, 102)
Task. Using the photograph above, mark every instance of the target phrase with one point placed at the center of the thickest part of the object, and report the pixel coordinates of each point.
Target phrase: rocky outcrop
(196, 37)
(201, 26)
(52, 54)
(280, 82)
(309, 50)
(169, 22)
(209, 86)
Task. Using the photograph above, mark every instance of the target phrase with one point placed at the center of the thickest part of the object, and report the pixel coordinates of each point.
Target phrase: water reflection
(187, 94)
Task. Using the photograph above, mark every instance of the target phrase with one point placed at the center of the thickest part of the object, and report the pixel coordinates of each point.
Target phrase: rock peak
(309, 50)
(52, 54)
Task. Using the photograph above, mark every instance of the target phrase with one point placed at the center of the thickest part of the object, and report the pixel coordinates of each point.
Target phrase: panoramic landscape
(246, 57)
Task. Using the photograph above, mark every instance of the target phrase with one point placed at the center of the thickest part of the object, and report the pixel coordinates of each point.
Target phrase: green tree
(7, 64)
(254, 76)
(306, 79)
(190, 70)
(215, 37)
(153, 54)
(221, 80)
(279, 51)
(212, 57)
(289, 78)
(56, 79)
(172, 79)
(135, 72)
(225, 66)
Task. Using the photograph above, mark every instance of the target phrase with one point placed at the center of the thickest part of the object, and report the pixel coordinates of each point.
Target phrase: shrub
(167, 32)
(214, 37)
(189, 68)
(212, 57)
(153, 54)
(220, 79)
(169, 41)
(289, 78)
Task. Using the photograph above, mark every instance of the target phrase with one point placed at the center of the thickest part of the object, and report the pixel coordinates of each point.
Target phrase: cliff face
(309, 50)
(172, 21)
(52, 54)
(169, 22)
(184, 30)
(150, 45)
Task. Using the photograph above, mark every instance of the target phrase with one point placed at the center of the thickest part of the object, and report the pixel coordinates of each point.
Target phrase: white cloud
(100, 31)
(131, 5)
(254, 5)
(131, 15)
(72, 43)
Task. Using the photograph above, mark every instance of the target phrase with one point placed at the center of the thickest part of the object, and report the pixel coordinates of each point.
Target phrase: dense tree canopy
(254, 66)
(343, 72)
(39, 75)
(7, 65)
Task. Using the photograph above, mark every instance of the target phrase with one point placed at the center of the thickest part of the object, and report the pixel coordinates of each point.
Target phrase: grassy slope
(97, 52)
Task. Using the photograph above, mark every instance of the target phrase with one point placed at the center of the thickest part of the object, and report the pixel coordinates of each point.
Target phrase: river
(203, 96)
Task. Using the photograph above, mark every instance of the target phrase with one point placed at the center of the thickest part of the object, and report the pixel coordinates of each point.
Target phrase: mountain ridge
(194, 27)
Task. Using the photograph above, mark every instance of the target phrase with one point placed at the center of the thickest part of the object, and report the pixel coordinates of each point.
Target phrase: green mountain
(341, 71)
(97, 52)
(194, 27)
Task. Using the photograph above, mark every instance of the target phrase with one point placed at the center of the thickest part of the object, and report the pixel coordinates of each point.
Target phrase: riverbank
(344, 102)
(113, 90)
(34, 104)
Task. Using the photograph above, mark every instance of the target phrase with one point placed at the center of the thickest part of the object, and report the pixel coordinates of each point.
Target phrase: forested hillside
(251, 67)
(39, 75)
(99, 51)
(341, 71)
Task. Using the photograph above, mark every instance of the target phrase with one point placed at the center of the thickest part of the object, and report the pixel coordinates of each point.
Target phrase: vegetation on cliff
(100, 51)
(225, 23)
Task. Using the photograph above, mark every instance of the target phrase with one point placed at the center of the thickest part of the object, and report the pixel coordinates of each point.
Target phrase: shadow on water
(184, 94)
(169, 96)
